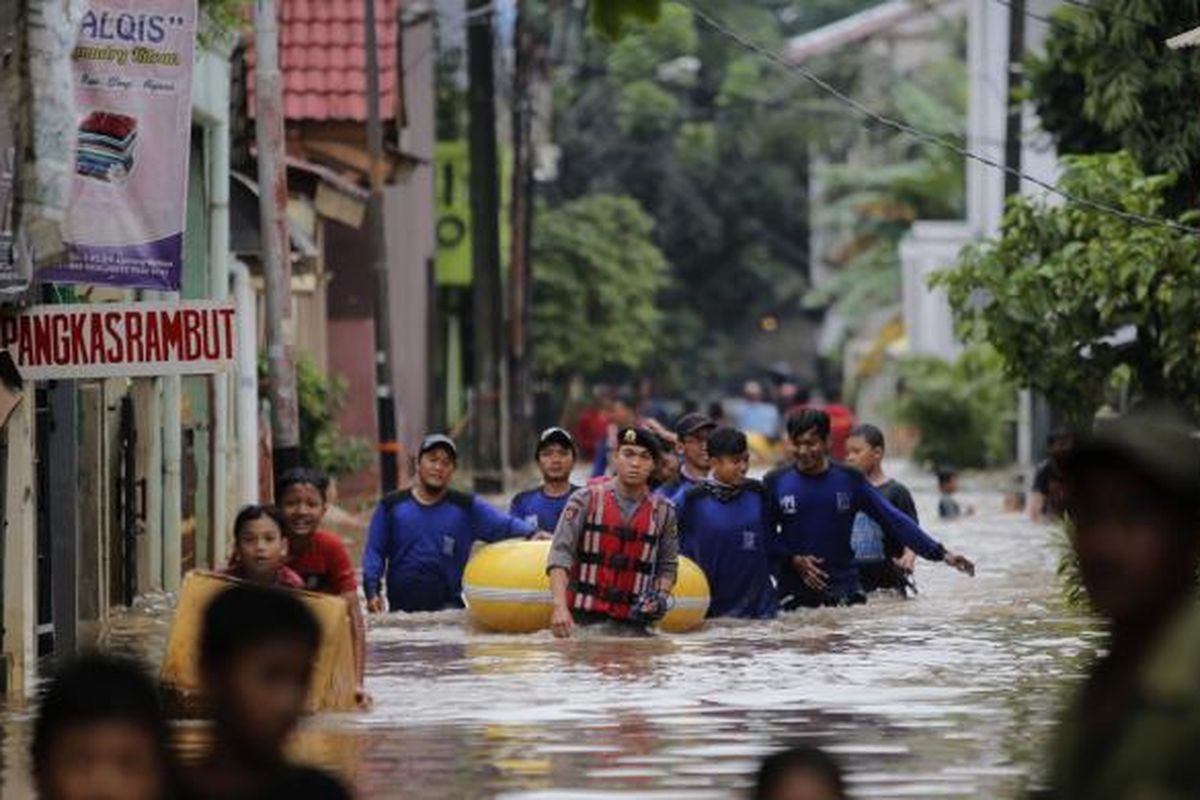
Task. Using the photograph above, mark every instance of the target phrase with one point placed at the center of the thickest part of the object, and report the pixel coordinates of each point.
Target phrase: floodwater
(950, 694)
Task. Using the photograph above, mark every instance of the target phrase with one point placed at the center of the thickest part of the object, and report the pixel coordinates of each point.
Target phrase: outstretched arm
(896, 523)
(492, 525)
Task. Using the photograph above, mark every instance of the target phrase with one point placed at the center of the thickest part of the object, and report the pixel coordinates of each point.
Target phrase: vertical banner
(132, 64)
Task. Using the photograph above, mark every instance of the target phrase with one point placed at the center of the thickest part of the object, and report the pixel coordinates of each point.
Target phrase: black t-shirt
(292, 783)
(1050, 482)
(898, 495)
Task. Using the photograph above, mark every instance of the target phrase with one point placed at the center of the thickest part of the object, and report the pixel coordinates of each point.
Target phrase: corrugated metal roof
(1186, 39)
(855, 28)
(323, 59)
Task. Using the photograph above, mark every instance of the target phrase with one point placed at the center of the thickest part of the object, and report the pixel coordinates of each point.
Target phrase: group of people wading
(813, 533)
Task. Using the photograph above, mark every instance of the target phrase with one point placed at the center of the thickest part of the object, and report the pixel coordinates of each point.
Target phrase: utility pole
(276, 258)
(1012, 131)
(385, 400)
(486, 291)
(520, 284)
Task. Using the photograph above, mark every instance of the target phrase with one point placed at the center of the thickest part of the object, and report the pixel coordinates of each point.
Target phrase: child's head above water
(260, 545)
(947, 479)
(802, 773)
(258, 646)
(100, 734)
(302, 495)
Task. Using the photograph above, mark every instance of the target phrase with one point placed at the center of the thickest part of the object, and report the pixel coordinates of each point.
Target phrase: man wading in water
(813, 504)
(615, 552)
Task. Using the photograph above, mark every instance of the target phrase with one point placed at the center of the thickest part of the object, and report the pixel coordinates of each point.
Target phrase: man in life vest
(615, 552)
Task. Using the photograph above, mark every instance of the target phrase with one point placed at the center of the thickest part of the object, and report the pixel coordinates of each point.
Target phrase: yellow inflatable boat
(334, 678)
(507, 590)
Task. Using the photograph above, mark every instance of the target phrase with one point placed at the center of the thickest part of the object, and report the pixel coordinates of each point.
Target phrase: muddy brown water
(949, 694)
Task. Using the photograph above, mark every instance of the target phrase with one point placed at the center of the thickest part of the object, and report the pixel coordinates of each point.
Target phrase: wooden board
(334, 678)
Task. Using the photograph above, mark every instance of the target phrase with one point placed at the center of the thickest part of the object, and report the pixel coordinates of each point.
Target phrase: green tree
(1108, 81)
(596, 277)
(1073, 298)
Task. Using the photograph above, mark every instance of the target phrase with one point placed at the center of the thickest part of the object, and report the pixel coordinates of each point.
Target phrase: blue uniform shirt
(814, 516)
(539, 509)
(674, 490)
(424, 549)
(727, 537)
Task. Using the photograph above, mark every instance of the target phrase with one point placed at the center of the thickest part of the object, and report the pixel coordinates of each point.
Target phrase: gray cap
(1157, 441)
(435, 440)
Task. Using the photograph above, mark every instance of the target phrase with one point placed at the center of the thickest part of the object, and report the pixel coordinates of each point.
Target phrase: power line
(922, 135)
(1031, 14)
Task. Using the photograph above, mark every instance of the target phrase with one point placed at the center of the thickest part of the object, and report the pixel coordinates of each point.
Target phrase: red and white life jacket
(617, 558)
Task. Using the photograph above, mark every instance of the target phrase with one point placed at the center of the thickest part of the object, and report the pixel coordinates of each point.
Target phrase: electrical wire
(925, 136)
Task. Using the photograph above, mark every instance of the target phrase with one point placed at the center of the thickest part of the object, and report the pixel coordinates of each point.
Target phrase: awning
(244, 239)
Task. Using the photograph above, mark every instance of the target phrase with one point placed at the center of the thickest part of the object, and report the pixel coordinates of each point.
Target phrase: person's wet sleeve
(374, 559)
(565, 546)
(493, 525)
(341, 571)
(668, 546)
(895, 522)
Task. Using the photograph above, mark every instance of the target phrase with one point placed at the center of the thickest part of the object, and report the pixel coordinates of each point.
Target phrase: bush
(963, 409)
(322, 443)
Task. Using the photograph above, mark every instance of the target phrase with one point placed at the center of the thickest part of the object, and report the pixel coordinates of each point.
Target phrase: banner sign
(132, 64)
(104, 340)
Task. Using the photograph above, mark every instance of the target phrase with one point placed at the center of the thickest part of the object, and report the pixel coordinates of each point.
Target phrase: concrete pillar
(19, 649)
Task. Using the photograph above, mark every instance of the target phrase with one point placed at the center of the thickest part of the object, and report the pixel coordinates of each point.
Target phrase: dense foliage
(596, 278)
(1107, 81)
(718, 145)
(1074, 298)
(964, 409)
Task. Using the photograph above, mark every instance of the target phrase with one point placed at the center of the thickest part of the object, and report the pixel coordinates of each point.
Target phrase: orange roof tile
(323, 61)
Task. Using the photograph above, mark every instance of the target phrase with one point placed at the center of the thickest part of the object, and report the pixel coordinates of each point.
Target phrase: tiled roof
(323, 60)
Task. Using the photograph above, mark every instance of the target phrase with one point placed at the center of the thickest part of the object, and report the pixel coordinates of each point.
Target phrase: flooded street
(946, 695)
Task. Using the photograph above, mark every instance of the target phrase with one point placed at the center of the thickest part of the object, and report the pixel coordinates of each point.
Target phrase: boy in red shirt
(319, 556)
(261, 550)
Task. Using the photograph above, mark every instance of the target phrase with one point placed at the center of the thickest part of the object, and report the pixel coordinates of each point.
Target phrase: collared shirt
(540, 509)
(325, 566)
(814, 516)
(724, 529)
(564, 550)
(423, 549)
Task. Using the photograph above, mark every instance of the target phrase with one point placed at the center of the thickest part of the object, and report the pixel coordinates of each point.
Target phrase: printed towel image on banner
(132, 65)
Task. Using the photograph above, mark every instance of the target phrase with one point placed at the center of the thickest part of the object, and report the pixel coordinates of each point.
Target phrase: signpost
(99, 340)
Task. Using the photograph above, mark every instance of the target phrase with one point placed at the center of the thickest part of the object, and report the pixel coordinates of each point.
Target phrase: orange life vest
(617, 558)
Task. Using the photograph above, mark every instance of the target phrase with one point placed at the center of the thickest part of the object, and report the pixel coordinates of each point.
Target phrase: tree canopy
(596, 278)
(1107, 81)
(1075, 299)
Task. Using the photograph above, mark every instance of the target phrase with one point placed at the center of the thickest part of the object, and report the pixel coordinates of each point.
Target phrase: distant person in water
(948, 506)
(1133, 729)
(802, 773)
(261, 549)
(1049, 497)
(258, 647)
(541, 506)
(692, 431)
(813, 505)
(100, 734)
(883, 561)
